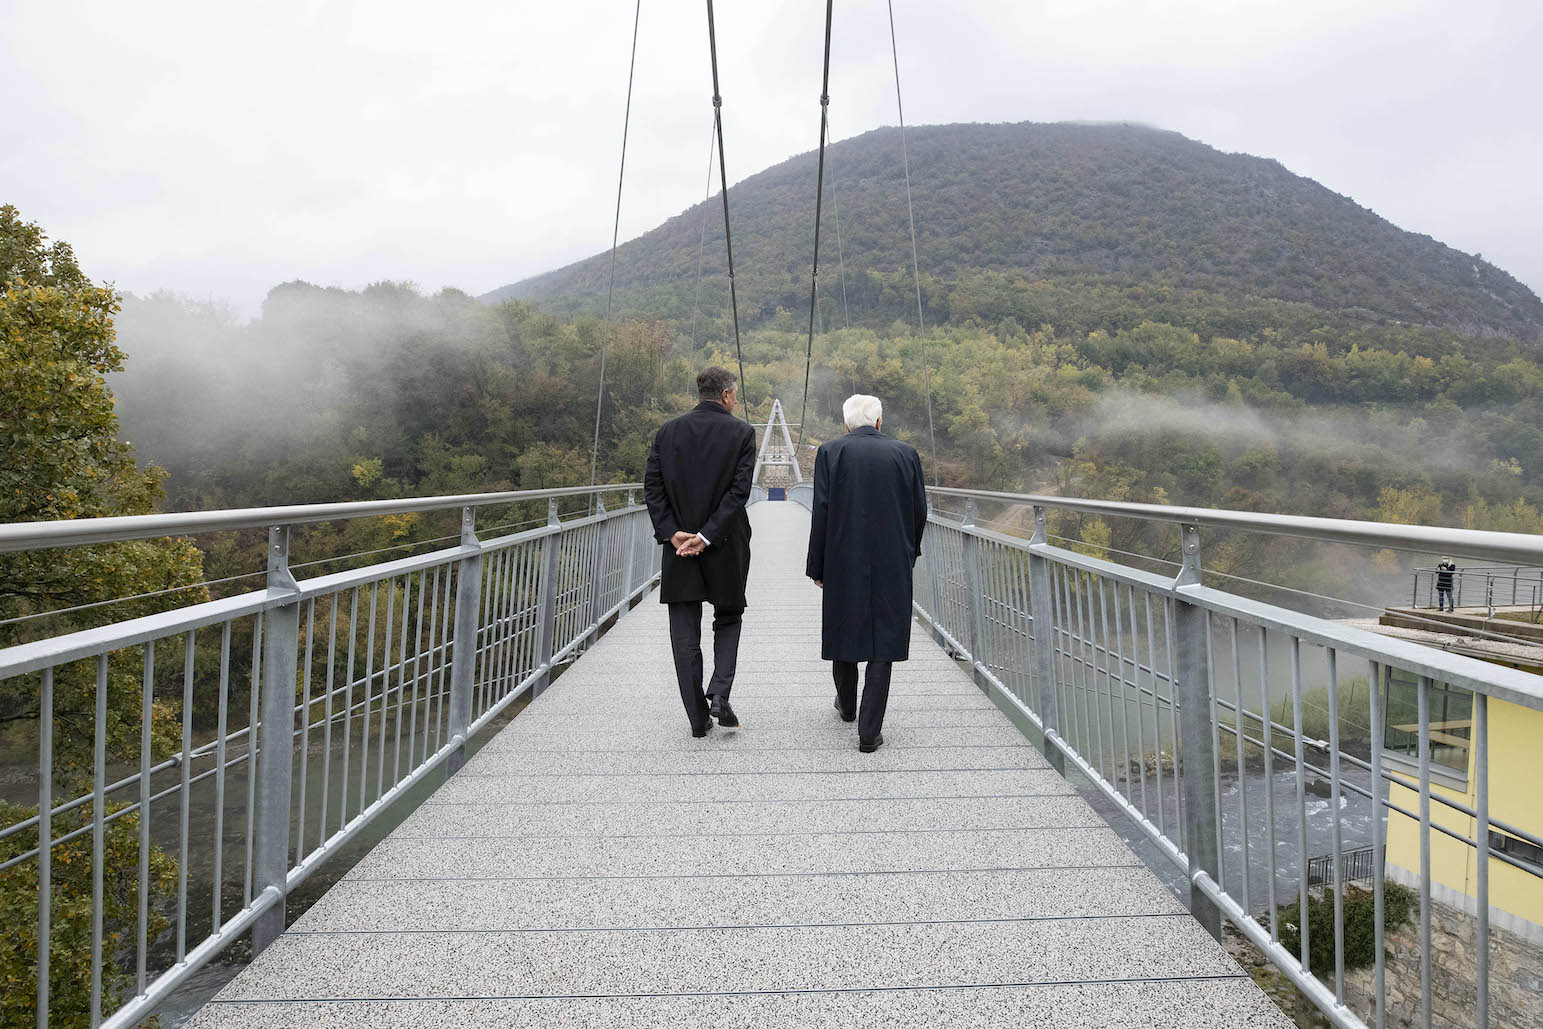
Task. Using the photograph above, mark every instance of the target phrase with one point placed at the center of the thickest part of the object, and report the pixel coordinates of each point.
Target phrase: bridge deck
(594, 865)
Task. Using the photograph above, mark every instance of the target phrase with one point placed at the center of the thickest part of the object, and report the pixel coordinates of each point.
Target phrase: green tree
(63, 459)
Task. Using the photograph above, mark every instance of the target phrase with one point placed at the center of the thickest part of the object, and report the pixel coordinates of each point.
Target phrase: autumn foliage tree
(62, 458)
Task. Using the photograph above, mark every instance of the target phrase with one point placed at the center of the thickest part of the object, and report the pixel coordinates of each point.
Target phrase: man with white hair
(870, 509)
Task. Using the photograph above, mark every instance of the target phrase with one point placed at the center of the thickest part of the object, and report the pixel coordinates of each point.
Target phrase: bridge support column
(546, 613)
(275, 740)
(1197, 755)
(1042, 616)
(463, 648)
(973, 595)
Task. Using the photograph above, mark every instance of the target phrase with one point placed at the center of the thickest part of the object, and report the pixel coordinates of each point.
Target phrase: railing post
(546, 613)
(463, 648)
(1042, 614)
(1197, 760)
(972, 583)
(275, 741)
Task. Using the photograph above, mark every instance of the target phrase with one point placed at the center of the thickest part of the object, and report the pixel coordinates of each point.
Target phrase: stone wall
(1515, 977)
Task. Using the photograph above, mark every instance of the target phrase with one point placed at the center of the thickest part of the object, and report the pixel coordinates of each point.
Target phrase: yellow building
(1515, 797)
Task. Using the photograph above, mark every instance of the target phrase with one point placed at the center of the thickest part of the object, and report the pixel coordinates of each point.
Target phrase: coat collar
(712, 405)
(865, 430)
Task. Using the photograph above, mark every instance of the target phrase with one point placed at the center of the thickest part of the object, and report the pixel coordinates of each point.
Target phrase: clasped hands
(687, 544)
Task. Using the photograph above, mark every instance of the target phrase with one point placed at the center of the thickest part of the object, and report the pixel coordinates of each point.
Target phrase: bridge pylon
(777, 460)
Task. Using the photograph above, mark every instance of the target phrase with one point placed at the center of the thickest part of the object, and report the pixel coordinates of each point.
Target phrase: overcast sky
(218, 149)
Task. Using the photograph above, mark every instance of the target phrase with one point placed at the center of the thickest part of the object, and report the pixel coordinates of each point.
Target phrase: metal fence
(1154, 687)
(329, 698)
(1356, 866)
(1486, 587)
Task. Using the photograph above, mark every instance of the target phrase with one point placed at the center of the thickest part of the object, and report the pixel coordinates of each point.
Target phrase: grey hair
(861, 409)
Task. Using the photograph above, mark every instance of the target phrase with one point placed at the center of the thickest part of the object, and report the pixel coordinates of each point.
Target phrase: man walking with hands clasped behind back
(697, 483)
(870, 509)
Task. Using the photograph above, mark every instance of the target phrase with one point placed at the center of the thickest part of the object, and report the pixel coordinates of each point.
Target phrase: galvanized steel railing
(1134, 679)
(1483, 587)
(360, 684)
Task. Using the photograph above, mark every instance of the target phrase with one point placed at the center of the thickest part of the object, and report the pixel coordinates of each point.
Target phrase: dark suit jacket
(698, 480)
(870, 510)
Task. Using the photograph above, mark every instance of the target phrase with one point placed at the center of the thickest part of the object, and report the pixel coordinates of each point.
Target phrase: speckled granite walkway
(594, 865)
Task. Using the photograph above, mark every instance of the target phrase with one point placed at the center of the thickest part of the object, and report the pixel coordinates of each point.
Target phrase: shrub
(1360, 921)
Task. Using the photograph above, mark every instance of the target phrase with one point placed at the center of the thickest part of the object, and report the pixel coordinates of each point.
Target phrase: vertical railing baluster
(45, 840)
(546, 616)
(326, 730)
(348, 708)
(98, 854)
(276, 750)
(305, 728)
(364, 715)
(1157, 725)
(1423, 706)
(1118, 643)
(1170, 641)
(1301, 783)
(1335, 818)
(1042, 612)
(463, 653)
(1197, 769)
(972, 593)
(1240, 727)
(187, 788)
(1269, 776)
(147, 697)
(1481, 838)
(221, 720)
(385, 685)
(1141, 718)
(630, 522)
(401, 676)
(1379, 853)
(412, 724)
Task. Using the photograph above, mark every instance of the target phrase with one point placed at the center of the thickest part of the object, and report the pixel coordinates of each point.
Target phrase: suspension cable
(723, 178)
(819, 193)
(841, 264)
(915, 264)
(610, 290)
(701, 243)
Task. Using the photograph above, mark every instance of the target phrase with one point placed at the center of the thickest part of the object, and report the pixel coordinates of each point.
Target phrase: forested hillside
(1103, 207)
(1165, 355)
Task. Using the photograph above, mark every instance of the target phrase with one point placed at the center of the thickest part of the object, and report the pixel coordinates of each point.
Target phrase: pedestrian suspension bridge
(1091, 769)
(590, 863)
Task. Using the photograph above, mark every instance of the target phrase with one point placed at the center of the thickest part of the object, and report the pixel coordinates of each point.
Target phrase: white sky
(218, 149)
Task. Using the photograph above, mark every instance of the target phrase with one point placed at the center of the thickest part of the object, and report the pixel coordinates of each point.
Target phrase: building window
(1521, 850)
(1451, 722)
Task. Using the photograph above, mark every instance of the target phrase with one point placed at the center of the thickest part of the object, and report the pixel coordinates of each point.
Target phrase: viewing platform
(595, 865)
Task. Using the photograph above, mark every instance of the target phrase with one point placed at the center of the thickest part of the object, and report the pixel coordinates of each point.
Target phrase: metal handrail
(75, 532)
(1033, 621)
(1510, 547)
(396, 667)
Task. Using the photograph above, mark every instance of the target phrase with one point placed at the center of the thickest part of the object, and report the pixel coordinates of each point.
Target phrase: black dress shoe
(868, 746)
(700, 731)
(844, 716)
(721, 710)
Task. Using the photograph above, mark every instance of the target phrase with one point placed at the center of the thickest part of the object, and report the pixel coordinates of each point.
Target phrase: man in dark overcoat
(696, 484)
(870, 509)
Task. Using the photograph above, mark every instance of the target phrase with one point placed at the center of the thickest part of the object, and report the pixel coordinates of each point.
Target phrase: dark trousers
(870, 719)
(686, 643)
(1444, 598)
